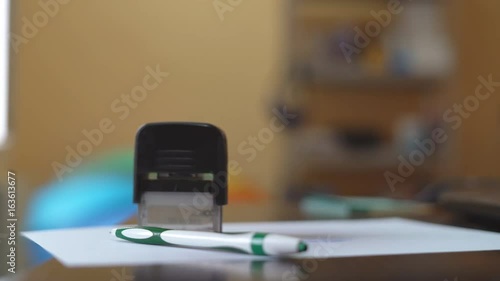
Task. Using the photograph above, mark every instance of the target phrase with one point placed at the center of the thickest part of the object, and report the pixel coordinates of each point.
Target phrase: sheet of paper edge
(280, 227)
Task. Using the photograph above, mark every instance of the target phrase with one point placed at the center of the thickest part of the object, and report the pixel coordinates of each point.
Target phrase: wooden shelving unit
(383, 84)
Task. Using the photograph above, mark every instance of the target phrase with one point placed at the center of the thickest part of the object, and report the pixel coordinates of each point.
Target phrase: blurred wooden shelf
(420, 85)
(331, 11)
(332, 93)
(362, 160)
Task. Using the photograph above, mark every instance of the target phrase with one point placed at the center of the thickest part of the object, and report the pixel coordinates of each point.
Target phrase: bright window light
(4, 69)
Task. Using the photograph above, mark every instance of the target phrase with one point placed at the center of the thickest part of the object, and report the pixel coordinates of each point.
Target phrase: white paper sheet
(345, 238)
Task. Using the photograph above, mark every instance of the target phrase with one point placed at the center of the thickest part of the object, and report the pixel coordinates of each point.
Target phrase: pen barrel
(252, 243)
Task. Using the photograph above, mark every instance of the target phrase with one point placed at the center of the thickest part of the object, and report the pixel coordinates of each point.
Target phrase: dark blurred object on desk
(476, 199)
(359, 138)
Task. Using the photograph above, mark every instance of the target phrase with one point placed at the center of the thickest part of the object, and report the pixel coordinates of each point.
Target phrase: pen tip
(302, 247)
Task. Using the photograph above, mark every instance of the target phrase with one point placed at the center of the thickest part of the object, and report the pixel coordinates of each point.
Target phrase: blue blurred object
(90, 198)
(82, 201)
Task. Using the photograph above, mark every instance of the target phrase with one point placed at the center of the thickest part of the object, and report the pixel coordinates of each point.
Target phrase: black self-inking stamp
(181, 176)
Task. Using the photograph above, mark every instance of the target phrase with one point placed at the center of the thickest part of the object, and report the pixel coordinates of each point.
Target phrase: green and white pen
(255, 243)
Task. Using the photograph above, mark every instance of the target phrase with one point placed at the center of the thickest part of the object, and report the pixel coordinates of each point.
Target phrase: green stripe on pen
(258, 244)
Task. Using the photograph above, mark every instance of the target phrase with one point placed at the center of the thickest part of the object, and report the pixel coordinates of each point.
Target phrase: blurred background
(327, 105)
